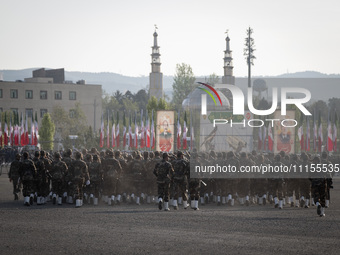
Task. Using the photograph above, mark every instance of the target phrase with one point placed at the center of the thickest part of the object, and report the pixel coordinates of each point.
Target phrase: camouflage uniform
(112, 172)
(164, 173)
(231, 184)
(243, 186)
(41, 179)
(58, 172)
(79, 173)
(276, 184)
(27, 175)
(194, 185)
(46, 181)
(14, 175)
(96, 178)
(68, 187)
(180, 181)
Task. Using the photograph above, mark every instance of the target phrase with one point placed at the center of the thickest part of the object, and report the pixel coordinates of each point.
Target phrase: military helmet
(79, 155)
(230, 154)
(277, 157)
(57, 155)
(165, 155)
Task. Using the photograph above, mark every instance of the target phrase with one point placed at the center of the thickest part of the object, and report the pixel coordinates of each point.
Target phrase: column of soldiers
(118, 177)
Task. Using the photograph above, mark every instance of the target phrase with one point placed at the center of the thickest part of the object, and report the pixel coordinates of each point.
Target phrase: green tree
(46, 132)
(184, 83)
(213, 79)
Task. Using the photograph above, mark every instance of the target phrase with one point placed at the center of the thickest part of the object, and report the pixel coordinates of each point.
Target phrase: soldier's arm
(155, 171)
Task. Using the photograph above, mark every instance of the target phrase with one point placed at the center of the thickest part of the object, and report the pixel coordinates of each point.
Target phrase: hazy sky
(116, 36)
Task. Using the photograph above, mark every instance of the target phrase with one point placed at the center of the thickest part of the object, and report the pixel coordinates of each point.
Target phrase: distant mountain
(111, 81)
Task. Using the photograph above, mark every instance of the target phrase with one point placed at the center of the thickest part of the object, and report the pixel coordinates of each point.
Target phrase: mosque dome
(193, 100)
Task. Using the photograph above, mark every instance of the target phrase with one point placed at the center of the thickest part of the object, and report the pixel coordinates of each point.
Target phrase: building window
(42, 112)
(72, 113)
(29, 113)
(43, 94)
(0, 93)
(14, 93)
(57, 95)
(73, 95)
(29, 94)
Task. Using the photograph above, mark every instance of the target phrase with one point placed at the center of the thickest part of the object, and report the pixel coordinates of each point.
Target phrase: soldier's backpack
(58, 171)
(28, 171)
(162, 172)
(93, 171)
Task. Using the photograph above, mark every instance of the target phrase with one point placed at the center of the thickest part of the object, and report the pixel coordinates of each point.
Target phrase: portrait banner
(165, 131)
(284, 135)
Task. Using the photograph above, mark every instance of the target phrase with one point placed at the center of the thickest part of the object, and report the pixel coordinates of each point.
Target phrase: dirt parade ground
(132, 229)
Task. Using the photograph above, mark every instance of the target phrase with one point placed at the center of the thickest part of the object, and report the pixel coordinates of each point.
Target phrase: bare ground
(131, 229)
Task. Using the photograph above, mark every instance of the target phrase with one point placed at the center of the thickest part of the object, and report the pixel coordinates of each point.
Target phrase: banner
(165, 131)
(222, 137)
(284, 136)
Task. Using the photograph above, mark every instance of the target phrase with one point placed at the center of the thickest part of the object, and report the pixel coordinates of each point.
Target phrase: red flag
(32, 131)
(330, 137)
(320, 134)
(335, 131)
(147, 132)
(185, 130)
(113, 133)
(5, 132)
(179, 132)
(270, 138)
(101, 139)
(153, 138)
(308, 136)
(124, 132)
(142, 141)
(26, 132)
(136, 133)
(117, 131)
(22, 131)
(301, 139)
(36, 133)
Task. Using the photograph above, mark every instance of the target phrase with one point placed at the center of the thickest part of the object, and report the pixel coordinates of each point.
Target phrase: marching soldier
(319, 190)
(68, 188)
(41, 178)
(180, 181)
(14, 175)
(80, 176)
(164, 172)
(96, 176)
(58, 173)
(194, 185)
(112, 172)
(45, 180)
(325, 162)
(27, 175)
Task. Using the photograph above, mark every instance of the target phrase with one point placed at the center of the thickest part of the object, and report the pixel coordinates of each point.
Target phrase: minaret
(156, 77)
(228, 77)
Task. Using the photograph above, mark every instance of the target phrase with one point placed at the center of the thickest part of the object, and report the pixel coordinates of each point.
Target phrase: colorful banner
(165, 131)
(284, 136)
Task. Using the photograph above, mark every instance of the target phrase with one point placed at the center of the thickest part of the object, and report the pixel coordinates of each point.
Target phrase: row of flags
(318, 140)
(17, 133)
(146, 132)
(266, 141)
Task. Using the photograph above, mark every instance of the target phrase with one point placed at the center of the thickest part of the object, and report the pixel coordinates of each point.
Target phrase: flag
(0, 133)
(130, 134)
(147, 131)
(179, 131)
(22, 131)
(108, 131)
(300, 134)
(315, 132)
(142, 143)
(335, 131)
(330, 135)
(185, 130)
(117, 131)
(153, 138)
(113, 132)
(36, 134)
(320, 134)
(264, 137)
(259, 144)
(26, 131)
(32, 130)
(10, 135)
(307, 136)
(6, 132)
(101, 139)
(270, 138)
(192, 136)
(136, 132)
(124, 131)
